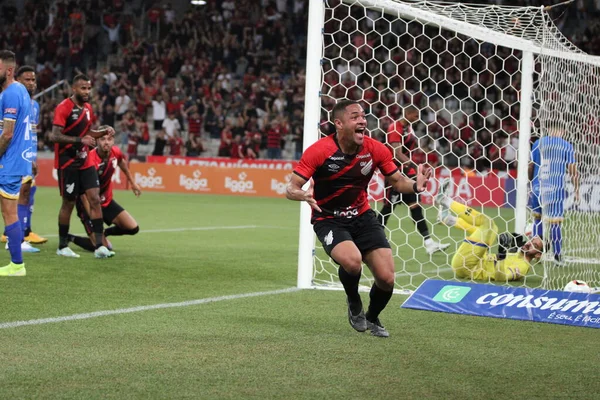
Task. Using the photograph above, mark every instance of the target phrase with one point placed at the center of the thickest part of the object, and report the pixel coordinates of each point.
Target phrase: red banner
(488, 191)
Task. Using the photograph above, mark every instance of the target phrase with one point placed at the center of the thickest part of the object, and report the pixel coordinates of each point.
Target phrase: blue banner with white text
(485, 300)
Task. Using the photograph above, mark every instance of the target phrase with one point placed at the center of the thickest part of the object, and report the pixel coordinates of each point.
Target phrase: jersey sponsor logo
(240, 185)
(368, 155)
(328, 239)
(337, 158)
(195, 182)
(28, 155)
(346, 213)
(150, 180)
(12, 111)
(367, 168)
(278, 186)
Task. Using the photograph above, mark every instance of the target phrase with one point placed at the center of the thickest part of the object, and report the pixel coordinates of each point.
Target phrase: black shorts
(158, 124)
(365, 231)
(73, 181)
(109, 213)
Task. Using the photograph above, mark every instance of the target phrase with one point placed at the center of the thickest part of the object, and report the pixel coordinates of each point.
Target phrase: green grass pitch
(293, 345)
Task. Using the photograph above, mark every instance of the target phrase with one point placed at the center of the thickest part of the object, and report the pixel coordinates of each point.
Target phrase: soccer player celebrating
(401, 142)
(105, 158)
(15, 163)
(472, 259)
(341, 166)
(72, 134)
(552, 157)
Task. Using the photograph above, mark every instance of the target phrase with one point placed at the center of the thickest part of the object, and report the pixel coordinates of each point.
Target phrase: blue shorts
(10, 186)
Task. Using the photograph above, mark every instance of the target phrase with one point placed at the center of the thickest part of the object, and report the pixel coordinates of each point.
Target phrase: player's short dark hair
(79, 77)
(23, 69)
(340, 108)
(8, 56)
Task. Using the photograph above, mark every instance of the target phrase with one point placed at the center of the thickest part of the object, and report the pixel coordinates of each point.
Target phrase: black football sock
(379, 299)
(63, 236)
(83, 242)
(350, 283)
(98, 228)
(384, 214)
(417, 216)
(118, 231)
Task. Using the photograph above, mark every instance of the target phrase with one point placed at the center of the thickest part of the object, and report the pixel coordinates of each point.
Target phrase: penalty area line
(119, 311)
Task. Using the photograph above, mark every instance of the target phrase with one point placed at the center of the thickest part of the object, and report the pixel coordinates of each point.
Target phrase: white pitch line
(199, 228)
(119, 311)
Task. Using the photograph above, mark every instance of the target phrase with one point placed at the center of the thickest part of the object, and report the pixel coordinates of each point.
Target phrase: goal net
(487, 80)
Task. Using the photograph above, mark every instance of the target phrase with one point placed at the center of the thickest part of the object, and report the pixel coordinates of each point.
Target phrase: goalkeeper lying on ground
(472, 259)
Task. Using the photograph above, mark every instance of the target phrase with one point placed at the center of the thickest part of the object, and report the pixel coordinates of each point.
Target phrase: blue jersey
(552, 155)
(33, 122)
(15, 104)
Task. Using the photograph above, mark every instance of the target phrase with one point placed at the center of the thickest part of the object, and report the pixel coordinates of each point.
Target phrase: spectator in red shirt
(176, 145)
(142, 127)
(237, 147)
(194, 121)
(225, 148)
(133, 140)
(274, 133)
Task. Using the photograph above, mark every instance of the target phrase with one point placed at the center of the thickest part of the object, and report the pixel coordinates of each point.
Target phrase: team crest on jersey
(367, 168)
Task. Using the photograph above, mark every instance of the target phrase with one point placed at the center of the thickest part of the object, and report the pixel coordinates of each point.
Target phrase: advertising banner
(485, 300)
(223, 162)
(213, 180)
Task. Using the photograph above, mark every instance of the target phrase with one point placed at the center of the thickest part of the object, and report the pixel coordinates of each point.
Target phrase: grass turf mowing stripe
(119, 311)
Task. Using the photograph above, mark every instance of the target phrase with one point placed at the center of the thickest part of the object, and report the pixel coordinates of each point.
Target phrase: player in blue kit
(26, 76)
(552, 158)
(15, 157)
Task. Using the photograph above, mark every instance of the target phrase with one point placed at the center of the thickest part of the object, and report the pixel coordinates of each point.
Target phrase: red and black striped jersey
(405, 136)
(106, 168)
(341, 180)
(76, 121)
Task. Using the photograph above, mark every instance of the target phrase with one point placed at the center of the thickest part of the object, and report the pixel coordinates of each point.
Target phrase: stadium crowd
(175, 81)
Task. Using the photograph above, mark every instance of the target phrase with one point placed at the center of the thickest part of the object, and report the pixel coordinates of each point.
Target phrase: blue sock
(14, 233)
(23, 214)
(556, 238)
(537, 227)
(30, 208)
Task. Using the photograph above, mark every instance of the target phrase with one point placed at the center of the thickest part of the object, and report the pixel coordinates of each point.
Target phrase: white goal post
(524, 36)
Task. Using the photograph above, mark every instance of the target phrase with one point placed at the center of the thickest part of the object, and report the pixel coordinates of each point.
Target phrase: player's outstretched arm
(7, 135)
(102, 131)
(57, 136)
(402, 184)
(134, 187)
(295, 192)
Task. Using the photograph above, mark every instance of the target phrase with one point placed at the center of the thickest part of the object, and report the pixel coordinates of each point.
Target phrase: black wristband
(415, 189)
(77, 140)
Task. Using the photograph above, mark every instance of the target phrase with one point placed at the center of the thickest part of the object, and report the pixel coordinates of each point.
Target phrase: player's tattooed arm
(294, 191)
(7, 135)
(57, 136)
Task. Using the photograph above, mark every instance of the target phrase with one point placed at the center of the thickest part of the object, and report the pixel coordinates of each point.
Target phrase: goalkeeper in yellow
(473, 260)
